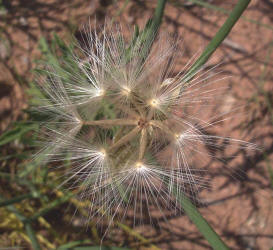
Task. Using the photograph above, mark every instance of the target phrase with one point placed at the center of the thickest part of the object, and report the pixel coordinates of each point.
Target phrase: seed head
(127, 123)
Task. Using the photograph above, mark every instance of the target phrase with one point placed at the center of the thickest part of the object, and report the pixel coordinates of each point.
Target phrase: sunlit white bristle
(125, 90)
(140, 167)
(154, 102)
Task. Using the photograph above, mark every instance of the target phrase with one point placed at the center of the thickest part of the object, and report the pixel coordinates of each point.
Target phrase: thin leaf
(218, 38)
(203, 226)
(16, 199)
(16, 133)
(32, 236)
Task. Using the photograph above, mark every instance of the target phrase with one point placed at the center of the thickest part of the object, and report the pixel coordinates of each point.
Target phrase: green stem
(16, 199)
(151, 28)
(159, 11)
(204, 228)
(12, 209)
(27, 223)
(218, 38)
(222, 10)
(156, 21)
(32, 236)
(52, 205)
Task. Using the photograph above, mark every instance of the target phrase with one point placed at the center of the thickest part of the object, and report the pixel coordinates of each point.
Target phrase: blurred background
(239, 205)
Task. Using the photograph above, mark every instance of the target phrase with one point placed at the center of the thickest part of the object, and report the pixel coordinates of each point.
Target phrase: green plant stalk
(204, 228)
(27, 224)
(32, 236)
(149, 34)
(12, 209)
(159, 11)
(222, 10)
(52, 205)
(218, 38)
(16, 199)
(73, 244)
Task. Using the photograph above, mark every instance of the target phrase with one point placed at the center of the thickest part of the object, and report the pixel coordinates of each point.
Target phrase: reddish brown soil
(239, 209)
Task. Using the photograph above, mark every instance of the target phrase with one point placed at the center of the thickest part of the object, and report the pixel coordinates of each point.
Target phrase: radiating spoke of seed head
(142, 143)
(163, 127)
(114, 122)
(133, 133)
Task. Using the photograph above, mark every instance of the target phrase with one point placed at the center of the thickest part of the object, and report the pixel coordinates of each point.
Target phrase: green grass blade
(16, 133)
(218, 38)
(149, 32)
(222, 10)
(15, 200)
(203, 226)
(159, 11)
(32, 236)
(72, 244)
(51, 206)
(12, 209)
(27, 223)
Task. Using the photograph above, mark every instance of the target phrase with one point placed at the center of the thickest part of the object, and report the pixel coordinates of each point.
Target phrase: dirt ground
(240, 209)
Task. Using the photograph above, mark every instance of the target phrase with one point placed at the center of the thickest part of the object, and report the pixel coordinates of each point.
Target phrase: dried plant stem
(114, 122)
(150, 114)
(142, 143)
(125, 138)
(160, 125)
(131, 232)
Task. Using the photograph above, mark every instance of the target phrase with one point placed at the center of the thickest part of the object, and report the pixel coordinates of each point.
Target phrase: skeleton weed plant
(126, 122)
